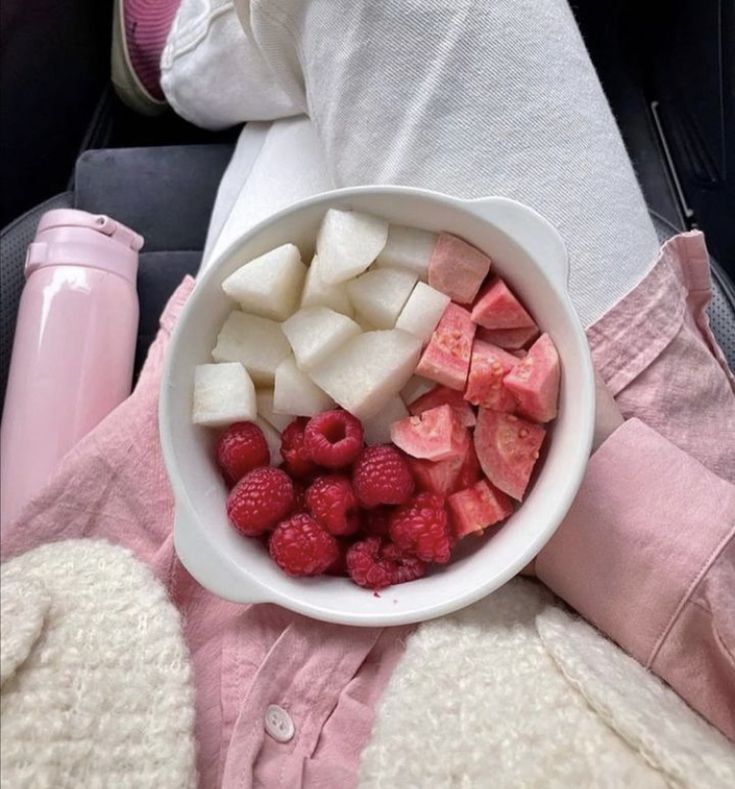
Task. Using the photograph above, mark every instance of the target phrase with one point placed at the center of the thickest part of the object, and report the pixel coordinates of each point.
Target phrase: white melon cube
(316, 332)
(422, 311)
(269, 285)
(223, 393)
(364, 323)
(296, 394)
(379, 295)
(264, 401)
(318, 294)
(273, 439)
(347, 243)
(257, 343)
(409, 248)
(368, 370)
(415, 388)
(377, 428)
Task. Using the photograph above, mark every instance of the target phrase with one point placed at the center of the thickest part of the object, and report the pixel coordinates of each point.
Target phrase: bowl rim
(263, 592)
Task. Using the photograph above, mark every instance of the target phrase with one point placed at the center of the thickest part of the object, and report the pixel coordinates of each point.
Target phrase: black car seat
(166, 194)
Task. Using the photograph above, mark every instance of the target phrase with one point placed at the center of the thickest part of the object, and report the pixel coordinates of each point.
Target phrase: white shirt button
(278, 723)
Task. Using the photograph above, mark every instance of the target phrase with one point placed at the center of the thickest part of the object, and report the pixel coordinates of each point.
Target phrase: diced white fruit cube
(223, 393)
(269, 285)
(347, 243)
(377, 428)
(415, 388)
(273, 439)
(368, 370)
(422, 311)
(379, 295)
(296, 394)
(264, 400)
(318, 294)
(257, 343)
(410, 248)
(316, 332)
(364, 323)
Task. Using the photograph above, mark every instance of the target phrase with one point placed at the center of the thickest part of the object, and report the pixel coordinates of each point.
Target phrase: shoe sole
(127, 85)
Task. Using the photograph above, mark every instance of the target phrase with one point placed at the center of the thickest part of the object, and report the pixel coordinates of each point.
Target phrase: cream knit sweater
(514, 692)
(96, 680)
(511, 692)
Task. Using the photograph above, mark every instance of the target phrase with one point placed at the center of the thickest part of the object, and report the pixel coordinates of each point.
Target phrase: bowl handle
(208, 569)
(529, 229)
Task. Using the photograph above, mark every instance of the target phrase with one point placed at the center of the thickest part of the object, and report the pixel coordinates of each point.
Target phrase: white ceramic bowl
(528, 252)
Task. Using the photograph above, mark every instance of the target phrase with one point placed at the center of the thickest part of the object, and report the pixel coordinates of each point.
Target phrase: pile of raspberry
(334, 506)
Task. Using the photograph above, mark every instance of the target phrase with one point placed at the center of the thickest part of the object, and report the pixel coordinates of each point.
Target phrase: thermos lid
(68, 237)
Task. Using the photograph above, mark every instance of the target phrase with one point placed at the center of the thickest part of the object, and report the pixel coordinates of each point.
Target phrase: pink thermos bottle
(74, 346)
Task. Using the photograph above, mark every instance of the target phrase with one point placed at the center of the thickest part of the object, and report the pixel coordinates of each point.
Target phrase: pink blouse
(647, 552)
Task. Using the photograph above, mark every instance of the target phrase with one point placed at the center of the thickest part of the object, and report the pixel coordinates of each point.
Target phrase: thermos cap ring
(68, 237)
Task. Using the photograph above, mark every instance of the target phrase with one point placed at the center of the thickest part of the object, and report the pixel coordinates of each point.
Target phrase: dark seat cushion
(167, 194)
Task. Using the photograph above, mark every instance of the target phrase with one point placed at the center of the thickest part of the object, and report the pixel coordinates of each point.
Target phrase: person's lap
(504, 100)
(274, 165)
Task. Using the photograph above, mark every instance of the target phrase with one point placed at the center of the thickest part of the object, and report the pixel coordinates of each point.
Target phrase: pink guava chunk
(436, 476)
(441, 395)
(475, 508)
(534, 381)
(457, 268)
(441, 476)
(488, 366)
(470, 471)
(508, 339)
(508, 448)
(446, 359)
(448, 476)
(436, 434)
(498, 308)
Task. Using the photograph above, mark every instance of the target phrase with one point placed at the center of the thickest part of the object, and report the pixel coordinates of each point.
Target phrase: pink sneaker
(139, 32)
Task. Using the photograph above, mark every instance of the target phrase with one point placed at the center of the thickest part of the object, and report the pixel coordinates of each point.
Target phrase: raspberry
(241, 448)
(376, 564)
(339, 566)
(331, 501)
(405, 568)
(299, 495)
(300, 546)
(296, 460)
(366, 566)
(333, 438)
(259, 500)
(421, 528)
(377, 521)
(382, 476)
